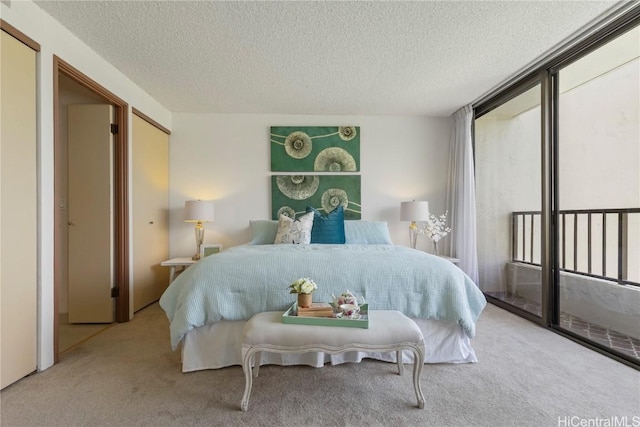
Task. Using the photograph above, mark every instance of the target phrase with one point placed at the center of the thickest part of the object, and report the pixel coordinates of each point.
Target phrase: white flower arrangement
(435, 227)
(303, 286)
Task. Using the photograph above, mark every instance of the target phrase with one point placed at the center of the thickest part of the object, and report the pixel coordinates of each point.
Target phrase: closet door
(150, 212)
(90, 211)
(18, 210)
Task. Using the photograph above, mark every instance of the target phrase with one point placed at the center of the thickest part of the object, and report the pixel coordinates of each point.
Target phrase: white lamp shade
(198, 211)
(414, 211)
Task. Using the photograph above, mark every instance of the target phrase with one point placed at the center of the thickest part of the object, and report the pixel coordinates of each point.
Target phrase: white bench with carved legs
(388, 331)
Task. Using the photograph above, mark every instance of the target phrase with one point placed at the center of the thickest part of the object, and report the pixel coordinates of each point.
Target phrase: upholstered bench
(388, 331)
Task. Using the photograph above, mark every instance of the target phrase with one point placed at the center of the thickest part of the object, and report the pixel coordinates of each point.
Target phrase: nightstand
(448, 258)
(181, 263)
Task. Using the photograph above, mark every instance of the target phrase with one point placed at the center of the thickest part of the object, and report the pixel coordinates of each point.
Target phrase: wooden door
(150, 212)
(18, 210)
(90, 209)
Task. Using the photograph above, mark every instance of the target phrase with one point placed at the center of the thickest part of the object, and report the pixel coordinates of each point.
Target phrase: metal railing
(579, 231)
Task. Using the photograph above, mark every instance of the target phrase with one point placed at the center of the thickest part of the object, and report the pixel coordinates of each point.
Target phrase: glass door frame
(547, 75)
(552, 94)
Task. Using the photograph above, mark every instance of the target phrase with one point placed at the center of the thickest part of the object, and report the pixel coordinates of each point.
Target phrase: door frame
(120, 186)
(547, 71)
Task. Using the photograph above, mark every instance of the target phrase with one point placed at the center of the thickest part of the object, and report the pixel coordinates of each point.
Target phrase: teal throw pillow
(328, 229)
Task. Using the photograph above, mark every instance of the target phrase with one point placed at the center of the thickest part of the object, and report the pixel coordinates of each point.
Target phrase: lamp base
(413, 234)
(199, 240)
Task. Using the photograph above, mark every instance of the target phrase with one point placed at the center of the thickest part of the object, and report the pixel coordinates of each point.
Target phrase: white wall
(54, 39)
(600, 129)
(226, 158)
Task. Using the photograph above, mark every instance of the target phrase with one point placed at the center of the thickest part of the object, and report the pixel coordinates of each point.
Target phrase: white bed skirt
(219, 345)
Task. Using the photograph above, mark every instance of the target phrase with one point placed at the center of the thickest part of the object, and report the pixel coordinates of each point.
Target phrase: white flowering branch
(435, 227)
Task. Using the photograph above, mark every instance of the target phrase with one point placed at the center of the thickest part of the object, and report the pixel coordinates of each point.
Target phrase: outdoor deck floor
(594, 332)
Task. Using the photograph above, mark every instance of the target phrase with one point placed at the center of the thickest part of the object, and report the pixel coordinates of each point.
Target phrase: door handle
(71, 223)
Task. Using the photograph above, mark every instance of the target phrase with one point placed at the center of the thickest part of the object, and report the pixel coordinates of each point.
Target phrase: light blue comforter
(245, 280)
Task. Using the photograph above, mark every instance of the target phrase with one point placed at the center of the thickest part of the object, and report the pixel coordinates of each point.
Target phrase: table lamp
(414, 211)
(198, 211)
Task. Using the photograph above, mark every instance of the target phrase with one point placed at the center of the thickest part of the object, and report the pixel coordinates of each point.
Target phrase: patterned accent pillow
(294, 230)
(328, 229)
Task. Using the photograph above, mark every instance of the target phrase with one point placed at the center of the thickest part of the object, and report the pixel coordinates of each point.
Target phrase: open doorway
(78, 100)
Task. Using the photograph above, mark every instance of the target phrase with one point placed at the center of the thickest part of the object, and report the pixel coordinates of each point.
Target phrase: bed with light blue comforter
(245, 280)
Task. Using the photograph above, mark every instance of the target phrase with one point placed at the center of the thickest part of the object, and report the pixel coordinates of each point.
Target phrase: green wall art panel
(315, 149)
(291, 194)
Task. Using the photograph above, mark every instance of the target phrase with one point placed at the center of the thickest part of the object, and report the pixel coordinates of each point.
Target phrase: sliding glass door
(557, 158)
(598, 202)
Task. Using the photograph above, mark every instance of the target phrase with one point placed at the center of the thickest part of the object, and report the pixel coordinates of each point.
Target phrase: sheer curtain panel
(461, 194)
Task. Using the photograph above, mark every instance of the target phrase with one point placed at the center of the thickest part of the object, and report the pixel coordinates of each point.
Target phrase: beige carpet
(70, 334)
(128, 376)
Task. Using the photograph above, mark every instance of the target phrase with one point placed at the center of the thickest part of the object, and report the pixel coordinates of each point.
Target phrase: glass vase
(435, 247)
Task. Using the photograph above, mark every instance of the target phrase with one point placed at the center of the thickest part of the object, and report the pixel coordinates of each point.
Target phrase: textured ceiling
(306, 57)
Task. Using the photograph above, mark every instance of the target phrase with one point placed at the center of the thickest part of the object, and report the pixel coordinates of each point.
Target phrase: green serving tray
(290, 316)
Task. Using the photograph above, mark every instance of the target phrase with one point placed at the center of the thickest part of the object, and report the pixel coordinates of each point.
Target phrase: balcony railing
(593, 242)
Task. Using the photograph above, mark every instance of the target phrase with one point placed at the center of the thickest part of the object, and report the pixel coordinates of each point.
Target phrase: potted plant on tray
(304, 287)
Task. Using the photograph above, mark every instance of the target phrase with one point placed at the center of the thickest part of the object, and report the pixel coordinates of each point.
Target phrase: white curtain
(461, 193)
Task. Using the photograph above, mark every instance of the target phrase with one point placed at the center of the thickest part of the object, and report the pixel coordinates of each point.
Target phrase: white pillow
(367, 232)
(263, 232)
(294, 230)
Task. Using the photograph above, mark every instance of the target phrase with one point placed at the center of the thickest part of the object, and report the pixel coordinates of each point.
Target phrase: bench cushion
(386, 328)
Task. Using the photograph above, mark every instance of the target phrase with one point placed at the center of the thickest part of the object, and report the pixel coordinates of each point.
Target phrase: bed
(209, 303)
